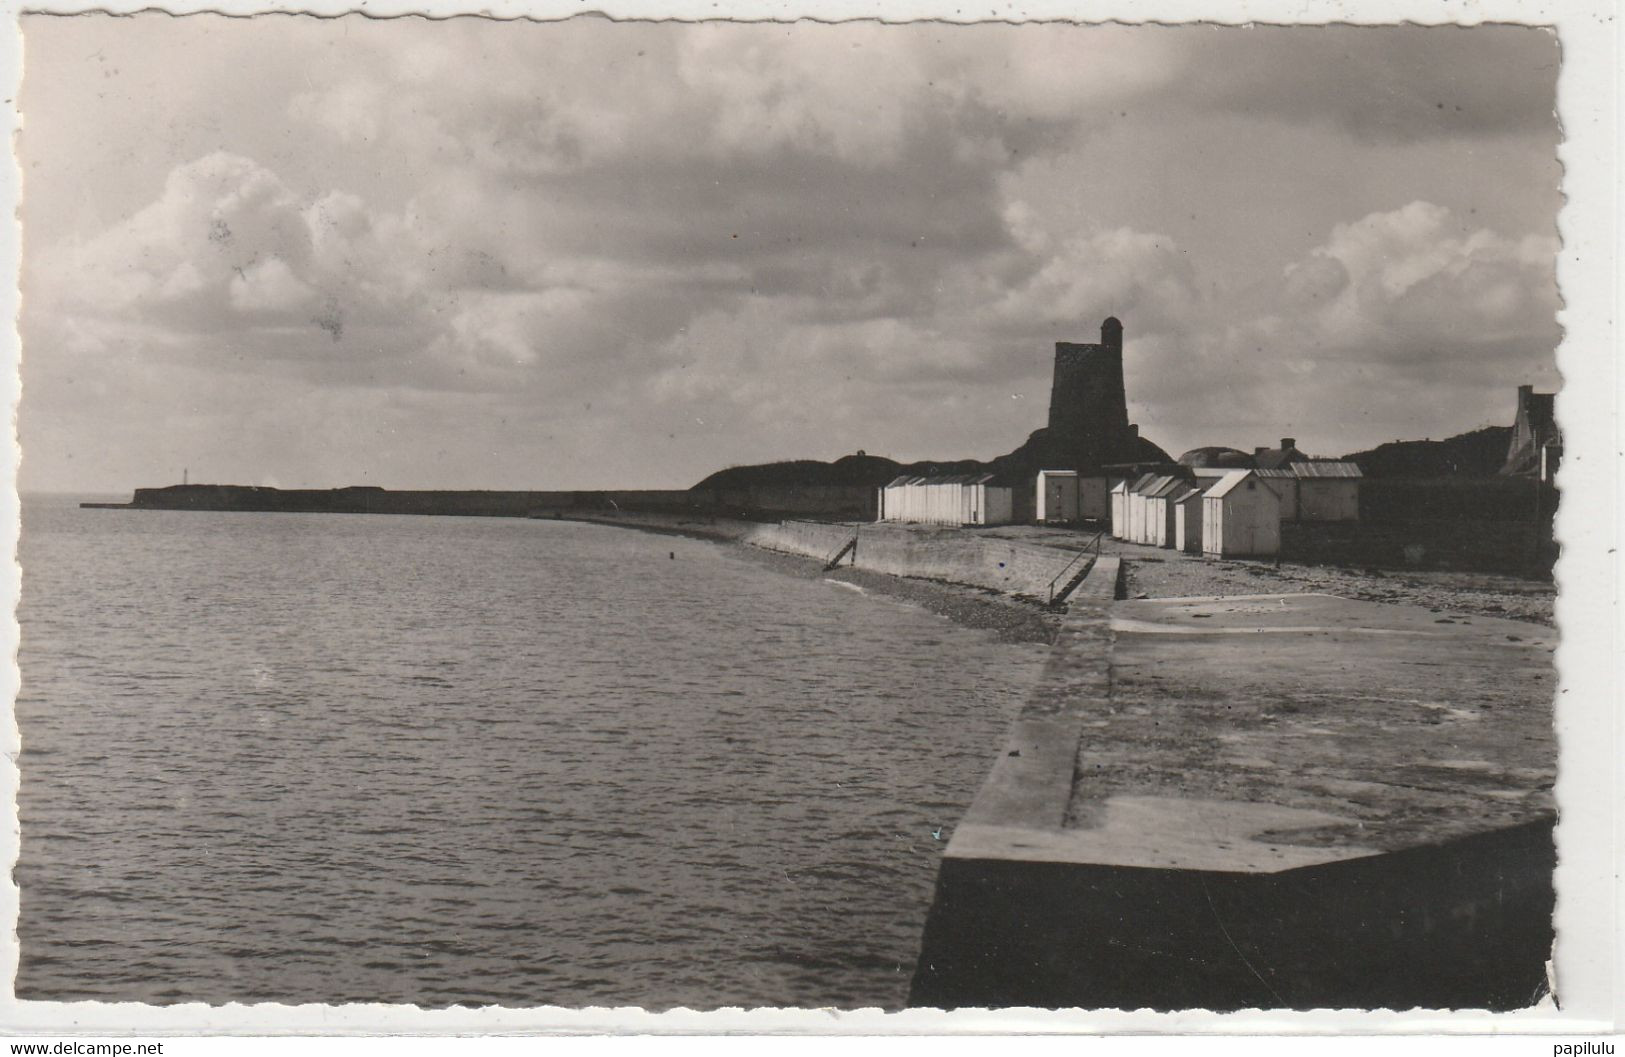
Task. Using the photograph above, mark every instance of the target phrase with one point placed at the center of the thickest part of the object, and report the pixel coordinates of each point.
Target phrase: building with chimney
(1537, 444)
(1278, 458)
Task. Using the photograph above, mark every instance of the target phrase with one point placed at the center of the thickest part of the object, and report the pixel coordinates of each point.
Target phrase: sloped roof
(1228, 483)
(1326, 469)
(1167, 488)
(956, 478)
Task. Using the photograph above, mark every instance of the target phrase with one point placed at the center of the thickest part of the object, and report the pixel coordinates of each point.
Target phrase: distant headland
(1087, 431)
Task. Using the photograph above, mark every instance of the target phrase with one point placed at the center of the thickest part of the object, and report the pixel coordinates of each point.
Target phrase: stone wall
(1463, 925)
(1384, 499)
(1461, 545)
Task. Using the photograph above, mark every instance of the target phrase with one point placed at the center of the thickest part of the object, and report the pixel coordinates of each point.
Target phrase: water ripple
(476, 761)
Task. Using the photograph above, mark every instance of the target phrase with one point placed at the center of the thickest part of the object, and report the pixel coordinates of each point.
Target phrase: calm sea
(284, 757)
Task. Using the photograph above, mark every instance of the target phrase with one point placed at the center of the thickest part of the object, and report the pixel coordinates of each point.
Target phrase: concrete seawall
(957, 556)
(1463, 925)
(1276, 802)
(1031, 782)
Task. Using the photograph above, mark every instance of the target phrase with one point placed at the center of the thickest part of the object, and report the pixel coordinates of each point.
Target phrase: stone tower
(1088, 411)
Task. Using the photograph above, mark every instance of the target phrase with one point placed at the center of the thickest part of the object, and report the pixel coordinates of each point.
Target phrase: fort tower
(1088, 411)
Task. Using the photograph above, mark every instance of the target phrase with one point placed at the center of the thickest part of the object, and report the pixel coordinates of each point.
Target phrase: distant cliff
(869, 471)
(1480, 453)
(875, 471)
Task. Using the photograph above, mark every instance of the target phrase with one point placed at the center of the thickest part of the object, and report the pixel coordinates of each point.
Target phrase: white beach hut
(1092, 502)
(1159, 512)
(984, 503)
(1327, 491)
(1241, 517)
(1134, 508)
(1188, 519)
(1119, 495)
(1057, 497)
(1139, 513)
(965, 499)
(1284, 483)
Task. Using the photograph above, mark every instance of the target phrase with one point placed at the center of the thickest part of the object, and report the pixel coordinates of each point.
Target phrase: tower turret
(1111, 333)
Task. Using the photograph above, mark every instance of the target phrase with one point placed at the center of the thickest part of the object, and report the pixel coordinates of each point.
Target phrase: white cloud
(219, 217)
(1417, 281)
(269, 285)
(350, 111)
(1397, 320)
(1035, 71)
(1134, 275)
(335, 288)
(816, 237)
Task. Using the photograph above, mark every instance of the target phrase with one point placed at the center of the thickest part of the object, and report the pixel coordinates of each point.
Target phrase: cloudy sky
(472, 254)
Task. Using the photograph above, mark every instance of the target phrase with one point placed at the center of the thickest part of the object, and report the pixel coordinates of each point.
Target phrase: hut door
(1249, 521)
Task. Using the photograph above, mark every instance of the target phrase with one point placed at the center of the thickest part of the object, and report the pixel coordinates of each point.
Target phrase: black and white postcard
(1087, 515)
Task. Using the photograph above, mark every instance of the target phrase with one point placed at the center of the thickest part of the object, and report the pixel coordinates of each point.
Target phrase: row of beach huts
(1231, 513)
(1211, 511)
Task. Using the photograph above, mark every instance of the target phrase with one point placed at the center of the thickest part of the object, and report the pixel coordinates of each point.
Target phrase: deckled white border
(1589, 966)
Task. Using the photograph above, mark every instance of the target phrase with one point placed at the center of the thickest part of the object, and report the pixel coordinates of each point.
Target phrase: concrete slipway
(1283, 801)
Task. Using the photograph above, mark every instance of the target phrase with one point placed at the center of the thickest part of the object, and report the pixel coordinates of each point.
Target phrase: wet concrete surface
(1398, 726)
(1277, 800)
(1153, 572)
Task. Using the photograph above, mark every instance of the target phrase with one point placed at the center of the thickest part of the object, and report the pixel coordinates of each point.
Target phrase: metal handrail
(852, 545)
(1090, 550)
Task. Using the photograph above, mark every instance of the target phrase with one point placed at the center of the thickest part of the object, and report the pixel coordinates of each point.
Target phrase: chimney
(1111, 333)
(1259, 450)
(1134, 430)
(1288, 442)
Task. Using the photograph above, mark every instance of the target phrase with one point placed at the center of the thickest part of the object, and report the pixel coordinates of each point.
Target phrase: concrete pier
(1291, 801)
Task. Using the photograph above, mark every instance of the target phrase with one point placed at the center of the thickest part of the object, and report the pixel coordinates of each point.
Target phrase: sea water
(330, 758)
